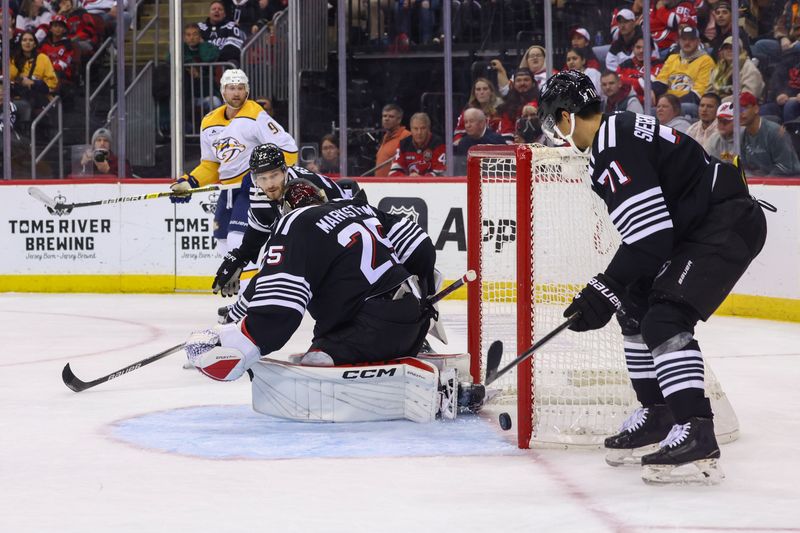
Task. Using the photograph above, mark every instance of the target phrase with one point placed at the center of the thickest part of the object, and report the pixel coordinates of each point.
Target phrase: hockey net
(537, 234)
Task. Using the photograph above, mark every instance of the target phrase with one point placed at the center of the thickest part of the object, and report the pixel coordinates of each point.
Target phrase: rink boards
(155, 246)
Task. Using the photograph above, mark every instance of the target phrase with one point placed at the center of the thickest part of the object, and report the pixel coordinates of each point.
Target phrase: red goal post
(536, 233)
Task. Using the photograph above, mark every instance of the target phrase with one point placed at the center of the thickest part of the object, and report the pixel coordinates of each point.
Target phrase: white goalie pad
(402, 389)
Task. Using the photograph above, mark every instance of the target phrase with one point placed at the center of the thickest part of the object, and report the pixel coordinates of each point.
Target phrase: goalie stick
(52, 205)
(71, 381)
(495, 352)
(450, 289)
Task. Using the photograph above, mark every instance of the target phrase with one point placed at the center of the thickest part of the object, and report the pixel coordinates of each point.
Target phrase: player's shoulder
(251, 111)
(215, 117)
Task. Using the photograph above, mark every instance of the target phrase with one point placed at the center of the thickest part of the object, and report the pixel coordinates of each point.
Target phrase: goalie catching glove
(227, 278)
(596, 303)
(181, 190)
(222, 353)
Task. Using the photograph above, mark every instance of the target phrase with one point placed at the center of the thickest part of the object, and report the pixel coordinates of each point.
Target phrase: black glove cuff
(608, 288)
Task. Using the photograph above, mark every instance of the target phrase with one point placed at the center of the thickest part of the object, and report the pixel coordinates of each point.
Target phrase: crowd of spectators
(691, 76)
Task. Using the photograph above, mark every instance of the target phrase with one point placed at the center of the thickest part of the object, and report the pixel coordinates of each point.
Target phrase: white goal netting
(579, 392)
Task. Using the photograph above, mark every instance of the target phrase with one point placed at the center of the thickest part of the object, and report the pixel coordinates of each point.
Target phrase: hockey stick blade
(493, 357)
(42, 197)
(530, 351)
(78, 385)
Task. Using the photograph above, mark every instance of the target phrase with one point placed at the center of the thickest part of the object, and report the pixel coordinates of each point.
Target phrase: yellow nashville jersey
(226, 144)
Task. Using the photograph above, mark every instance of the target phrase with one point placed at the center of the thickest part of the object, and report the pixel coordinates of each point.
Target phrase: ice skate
(471, 397)
(448, 394)
(639, 435)
(688, 456)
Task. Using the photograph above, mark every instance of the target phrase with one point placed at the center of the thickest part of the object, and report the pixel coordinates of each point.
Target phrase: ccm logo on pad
(368, 373)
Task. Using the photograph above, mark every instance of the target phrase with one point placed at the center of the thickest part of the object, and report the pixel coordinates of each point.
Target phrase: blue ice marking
(235, 431)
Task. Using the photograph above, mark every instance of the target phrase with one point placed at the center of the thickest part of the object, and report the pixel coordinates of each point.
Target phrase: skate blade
(702, 472)
(628, 457)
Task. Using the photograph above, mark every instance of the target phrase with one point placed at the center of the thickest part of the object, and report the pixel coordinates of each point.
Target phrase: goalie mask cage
(536, 234)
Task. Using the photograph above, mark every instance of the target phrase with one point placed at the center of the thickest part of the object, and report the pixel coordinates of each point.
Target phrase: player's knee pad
(668, 326)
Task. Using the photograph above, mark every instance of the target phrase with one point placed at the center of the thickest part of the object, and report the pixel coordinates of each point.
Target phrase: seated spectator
(701, 130)
(33, 80)
(668, 113)
(766, 147)
(580, 38)
(720, 143)
(58, 48)
(245, 13)
(392, 122)
(425, 12)
(196, 50)
(503, 82)
(267, 9)
(33, 16)
(631, 71)
(625, 38)
(687, 74)
(476, 132)
(576, 60)
(529, 128)
(106, 10)
(750, 79)
(619, 96)
(666, 18)
(534, 60)
(523, 92)
(100, 159)
(764, 21)
(421, 154)
(81, 28)
(783, 96)
(485, 97)
(723, 30)
(328, 164)
(222, 32)
(787, 26)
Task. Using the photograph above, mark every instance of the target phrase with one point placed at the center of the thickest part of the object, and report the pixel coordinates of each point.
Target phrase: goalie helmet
(569, 90)
(301, 193)
(266, 157)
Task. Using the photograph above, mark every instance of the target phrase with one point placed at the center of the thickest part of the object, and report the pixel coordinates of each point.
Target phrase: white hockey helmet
(233, 76)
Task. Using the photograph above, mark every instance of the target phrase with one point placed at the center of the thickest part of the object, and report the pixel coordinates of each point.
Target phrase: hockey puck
(505, 421)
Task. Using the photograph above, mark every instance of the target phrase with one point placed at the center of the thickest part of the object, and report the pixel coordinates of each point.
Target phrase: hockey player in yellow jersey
(228, 135)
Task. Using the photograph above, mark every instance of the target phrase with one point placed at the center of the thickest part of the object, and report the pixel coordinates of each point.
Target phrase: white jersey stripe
(644, 223)
(280, 303)
(630, 239)
(623, 207)
(612, 131)
(641, 209)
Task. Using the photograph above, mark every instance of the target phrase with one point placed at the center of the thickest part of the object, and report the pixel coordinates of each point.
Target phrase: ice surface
(165, 449)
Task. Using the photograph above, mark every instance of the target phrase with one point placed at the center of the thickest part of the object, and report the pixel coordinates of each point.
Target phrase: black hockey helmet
(266, 157)
(570, 90)
(301, 193)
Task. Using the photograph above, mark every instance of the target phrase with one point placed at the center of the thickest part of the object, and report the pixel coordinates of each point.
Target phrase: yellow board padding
(743, 305)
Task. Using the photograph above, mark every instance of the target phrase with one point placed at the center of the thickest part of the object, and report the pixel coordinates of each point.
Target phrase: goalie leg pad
(402, 389)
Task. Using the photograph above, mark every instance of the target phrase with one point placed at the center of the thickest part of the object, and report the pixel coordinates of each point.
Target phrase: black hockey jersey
(263, 212)
(328, 259)
(658, 185)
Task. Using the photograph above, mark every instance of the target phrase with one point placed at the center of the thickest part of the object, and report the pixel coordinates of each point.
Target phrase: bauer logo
(412, 208)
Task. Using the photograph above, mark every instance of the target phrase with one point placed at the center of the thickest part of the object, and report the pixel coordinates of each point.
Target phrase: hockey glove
(180, 189)
(596, 303)
(227, 279)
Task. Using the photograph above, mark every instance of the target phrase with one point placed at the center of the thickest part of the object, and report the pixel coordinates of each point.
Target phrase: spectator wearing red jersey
(485, 97)
(34, 16)
(82, 30)
(58, 48)
(580, 38)
(666, 18)
(631, 71)
(422, 154)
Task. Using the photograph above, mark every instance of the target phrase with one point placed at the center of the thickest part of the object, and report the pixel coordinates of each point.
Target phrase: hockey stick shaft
(530, 351)
(450, 289)
(71, 381)
(42, 197)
